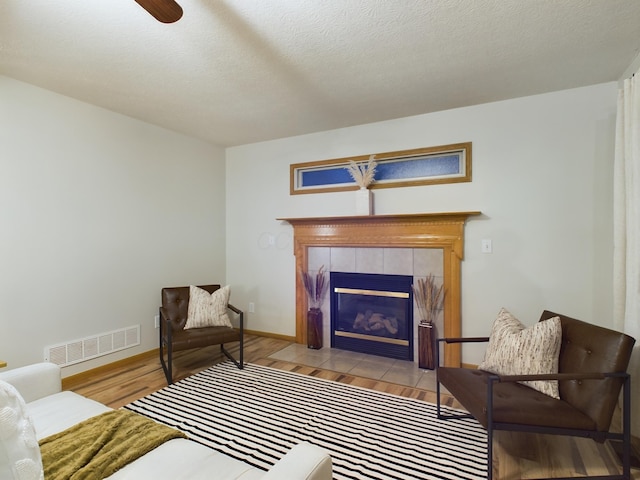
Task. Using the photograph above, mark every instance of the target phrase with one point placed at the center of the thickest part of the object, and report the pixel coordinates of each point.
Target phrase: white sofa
(53, 410)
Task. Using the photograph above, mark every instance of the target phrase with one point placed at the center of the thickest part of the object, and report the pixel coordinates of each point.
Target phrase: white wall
(542, 176)
(97, 213)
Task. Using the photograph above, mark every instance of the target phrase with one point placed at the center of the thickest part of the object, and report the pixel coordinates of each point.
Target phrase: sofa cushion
(197, 462)
(208, 309)
(290, 467)
(517, 350)
(60, 411)
(34, 381)
(19, 452)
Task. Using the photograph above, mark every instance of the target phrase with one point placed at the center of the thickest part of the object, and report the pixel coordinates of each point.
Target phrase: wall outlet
(156, 321)
(252, 307)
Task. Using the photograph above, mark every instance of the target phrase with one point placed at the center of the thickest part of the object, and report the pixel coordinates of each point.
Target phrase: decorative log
(426, 346)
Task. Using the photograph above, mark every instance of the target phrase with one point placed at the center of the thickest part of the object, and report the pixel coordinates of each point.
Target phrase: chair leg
(625, 437)
(438, 414)
(489, 453)
(241, 366)
(626, 427)
(169, 372)
(438, 399)
(166, 368)
(237, 363)
(490, 382)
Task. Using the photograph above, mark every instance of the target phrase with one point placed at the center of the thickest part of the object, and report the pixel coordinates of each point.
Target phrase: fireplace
(372, 313)
(444, 231)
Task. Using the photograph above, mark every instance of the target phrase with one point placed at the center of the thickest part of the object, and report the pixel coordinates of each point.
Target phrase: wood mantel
(421, 230)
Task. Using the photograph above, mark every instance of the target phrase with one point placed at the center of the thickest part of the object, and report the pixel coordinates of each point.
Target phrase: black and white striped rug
(257, 414)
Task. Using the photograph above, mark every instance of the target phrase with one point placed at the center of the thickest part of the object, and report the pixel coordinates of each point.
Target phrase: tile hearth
(401, 372)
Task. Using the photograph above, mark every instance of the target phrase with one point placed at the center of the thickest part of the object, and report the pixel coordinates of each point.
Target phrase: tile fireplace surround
(414, 262)
(412, 244)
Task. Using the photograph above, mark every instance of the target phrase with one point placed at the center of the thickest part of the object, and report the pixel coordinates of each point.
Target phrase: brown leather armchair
(592, 370)
(174, 337)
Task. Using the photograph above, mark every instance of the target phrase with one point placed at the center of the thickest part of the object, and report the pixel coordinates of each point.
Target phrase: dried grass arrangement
(363, 173)
(315, 289)
(429, 298)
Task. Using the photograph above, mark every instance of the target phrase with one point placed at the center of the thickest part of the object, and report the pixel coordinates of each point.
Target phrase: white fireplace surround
(416, 262)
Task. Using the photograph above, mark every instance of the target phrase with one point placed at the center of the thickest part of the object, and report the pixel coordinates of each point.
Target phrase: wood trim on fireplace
(422, 230)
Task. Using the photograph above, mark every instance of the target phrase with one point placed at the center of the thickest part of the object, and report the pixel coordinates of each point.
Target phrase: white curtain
(626, 218)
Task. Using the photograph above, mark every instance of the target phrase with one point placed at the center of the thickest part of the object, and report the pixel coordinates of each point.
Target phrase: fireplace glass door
(372, 313)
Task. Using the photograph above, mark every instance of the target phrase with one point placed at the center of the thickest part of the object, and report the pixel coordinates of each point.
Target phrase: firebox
(372, 313)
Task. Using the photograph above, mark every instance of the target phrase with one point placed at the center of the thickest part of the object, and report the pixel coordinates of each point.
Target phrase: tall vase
(314, 328)
(426, 346)
(364, 202)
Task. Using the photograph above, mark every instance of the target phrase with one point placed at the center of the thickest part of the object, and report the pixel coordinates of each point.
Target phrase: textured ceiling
(240, 71)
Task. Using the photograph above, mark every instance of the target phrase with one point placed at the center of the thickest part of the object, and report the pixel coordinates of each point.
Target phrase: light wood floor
(516, 456)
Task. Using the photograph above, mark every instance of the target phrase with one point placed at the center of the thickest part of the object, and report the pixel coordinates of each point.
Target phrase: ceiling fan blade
(165, 11)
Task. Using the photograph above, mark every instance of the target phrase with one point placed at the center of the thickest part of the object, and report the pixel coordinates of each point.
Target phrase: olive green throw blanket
(101, 445)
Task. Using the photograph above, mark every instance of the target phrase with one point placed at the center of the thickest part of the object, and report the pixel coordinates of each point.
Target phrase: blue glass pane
(418, 168)
(386, 171)
(328, 176)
